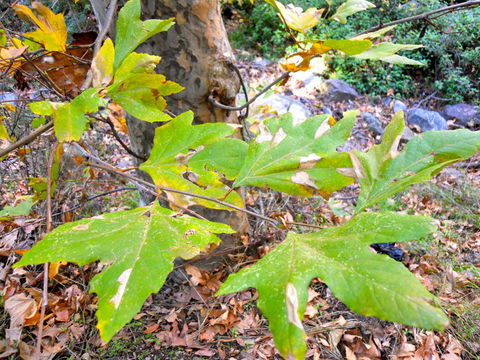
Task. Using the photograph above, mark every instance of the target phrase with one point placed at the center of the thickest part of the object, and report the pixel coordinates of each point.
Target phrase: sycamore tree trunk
(197, 55)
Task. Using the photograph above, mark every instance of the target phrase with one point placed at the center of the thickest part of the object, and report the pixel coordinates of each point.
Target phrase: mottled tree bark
(197, 55)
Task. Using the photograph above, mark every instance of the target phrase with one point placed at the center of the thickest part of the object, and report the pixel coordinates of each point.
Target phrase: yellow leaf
(102, 65)
(54, 267)
(51, 32)
(3, 130)
(297, 19)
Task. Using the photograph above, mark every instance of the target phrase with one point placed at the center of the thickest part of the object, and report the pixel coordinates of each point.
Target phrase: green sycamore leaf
(22, 209)
(349, 47)
(137, 248)
(351, 7)
(225, 155)
(139, 91)
(370, 284)
(174, 143)
(383, 171)
(298, 158)
(386, 51)
(131, 31)
(69, 118)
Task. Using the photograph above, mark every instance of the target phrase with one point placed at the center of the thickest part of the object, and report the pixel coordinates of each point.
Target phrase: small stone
(327, 110)
(408, 134)
(399, 106)
(281, 104)
(427, 120)
(373, 124)
(261, 62)
(465, 114)
(339, 91)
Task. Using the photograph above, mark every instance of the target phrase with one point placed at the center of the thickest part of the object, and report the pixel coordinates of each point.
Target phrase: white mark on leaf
(346, 171)
(279, 136)
(291, 299)
(308, 162)
(357, 166)
(122, 279)
(264, 134)
(322, 129)
(302, 178)
(81, 227)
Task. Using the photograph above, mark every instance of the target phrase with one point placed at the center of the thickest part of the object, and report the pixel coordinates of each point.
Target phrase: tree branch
(457, 7)
(27, 139)
(238, 108)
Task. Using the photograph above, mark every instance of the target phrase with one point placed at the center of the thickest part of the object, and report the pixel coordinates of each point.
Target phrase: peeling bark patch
(279, 136)
(122, 279)
(308, 162)
(291, 298)
(302, 178)
(183, 60)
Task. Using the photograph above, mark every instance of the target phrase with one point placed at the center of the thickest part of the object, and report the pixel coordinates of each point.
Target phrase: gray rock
(410, 5)
(338, 90)
(373, 124)
(427, 120)
(326, 110)
(466, 115)
(399, 106)
(261, 62)
(408, 134)
(8, 97)
(282, 104)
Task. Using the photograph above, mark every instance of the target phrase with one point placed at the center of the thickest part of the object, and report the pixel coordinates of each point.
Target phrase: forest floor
(186, 321)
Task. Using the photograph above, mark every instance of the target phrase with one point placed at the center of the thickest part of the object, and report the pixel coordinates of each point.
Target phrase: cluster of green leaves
(295, 157)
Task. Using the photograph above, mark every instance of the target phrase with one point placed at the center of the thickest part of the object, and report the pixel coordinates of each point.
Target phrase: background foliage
(450, 50)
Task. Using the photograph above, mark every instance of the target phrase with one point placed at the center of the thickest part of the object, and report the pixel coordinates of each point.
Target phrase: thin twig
(106, 166)
(238, 108)
(27, 139)
(448, 9)
(45, 266)
(121, 142)
(98, 42)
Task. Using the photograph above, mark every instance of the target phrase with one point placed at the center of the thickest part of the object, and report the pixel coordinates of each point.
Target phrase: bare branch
(448, 9)
(27, 139)
(238, 108)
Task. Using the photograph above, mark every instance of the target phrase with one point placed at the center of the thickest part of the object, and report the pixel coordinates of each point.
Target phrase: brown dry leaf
(20, 308)
(151, 328)
(67, 70)
(428, 349)
(116, 115)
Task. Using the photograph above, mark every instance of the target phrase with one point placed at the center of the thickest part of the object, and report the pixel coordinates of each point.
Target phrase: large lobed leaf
(134, 86)
(69, 118)
(383, 171)
(370, 284)
(137, 248)
(174, 143)
(298, 158)
(131, 31)
(51, 32)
